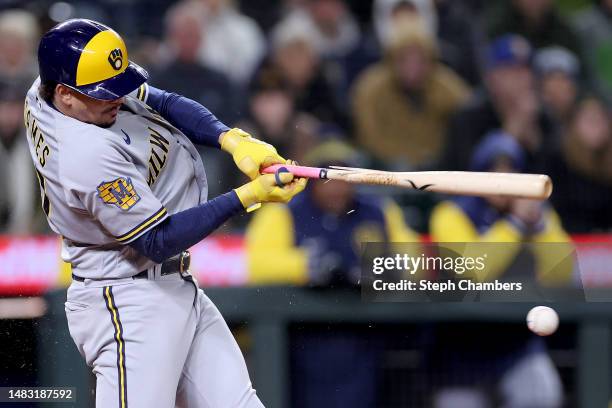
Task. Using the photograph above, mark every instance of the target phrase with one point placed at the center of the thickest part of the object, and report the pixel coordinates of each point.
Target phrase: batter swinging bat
(536, 186)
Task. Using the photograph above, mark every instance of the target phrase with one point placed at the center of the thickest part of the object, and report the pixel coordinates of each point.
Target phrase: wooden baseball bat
(536, 186)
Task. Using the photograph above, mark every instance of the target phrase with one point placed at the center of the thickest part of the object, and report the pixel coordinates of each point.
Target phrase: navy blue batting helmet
(90, 58)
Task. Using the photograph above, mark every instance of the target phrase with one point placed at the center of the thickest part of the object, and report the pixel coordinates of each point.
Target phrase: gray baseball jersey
(151, 342)
(105, 187)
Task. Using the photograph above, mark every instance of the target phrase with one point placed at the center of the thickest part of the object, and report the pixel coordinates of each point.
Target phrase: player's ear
(63, 94)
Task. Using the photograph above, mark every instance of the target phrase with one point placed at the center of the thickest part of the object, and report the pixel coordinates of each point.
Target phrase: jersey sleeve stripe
(150, 222)
(142, 92)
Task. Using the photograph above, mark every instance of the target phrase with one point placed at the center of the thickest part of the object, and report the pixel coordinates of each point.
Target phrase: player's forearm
(190, 117)
(186, 228)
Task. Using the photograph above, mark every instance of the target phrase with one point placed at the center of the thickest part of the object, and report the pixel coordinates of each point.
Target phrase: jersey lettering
(109, 185)
(38, 139)
(46, 204)
(158, 155)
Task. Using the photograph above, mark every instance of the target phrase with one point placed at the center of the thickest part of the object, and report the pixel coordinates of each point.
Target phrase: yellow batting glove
(248, 153)
(264, 189)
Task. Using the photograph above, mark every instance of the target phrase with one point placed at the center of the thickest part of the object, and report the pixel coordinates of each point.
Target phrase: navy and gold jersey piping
(144, 226)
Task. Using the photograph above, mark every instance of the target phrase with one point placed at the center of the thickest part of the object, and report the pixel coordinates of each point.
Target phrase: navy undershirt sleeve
(186, 228)
(191, 118)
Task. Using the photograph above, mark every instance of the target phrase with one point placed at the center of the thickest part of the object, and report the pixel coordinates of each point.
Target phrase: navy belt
(177, 264)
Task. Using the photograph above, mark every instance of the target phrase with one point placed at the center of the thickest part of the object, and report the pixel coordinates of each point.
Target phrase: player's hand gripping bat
(536, 186)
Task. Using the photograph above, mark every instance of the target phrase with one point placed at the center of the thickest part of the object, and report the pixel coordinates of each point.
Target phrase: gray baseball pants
(157, 343)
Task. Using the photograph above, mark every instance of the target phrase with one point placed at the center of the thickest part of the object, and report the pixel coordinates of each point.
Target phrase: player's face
(86, 109)
(94, 111)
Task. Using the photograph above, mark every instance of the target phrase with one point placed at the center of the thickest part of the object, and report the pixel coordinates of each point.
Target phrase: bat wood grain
(536, 186)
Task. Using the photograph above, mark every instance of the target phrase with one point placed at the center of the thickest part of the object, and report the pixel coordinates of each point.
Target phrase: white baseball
(542, 320)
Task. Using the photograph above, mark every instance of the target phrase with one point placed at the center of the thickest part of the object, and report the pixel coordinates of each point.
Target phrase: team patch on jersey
(119, 192)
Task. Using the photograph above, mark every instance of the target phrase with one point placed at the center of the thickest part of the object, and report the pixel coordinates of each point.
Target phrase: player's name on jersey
(38, 139)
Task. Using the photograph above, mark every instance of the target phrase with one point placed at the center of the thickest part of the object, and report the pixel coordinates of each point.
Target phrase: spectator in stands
(536, 20)
(557, 71)
(18, 188)
(457, 30)
(507, 359)
(508, 101)
(335, 36)
(294, 59)
(374, 37)
(581, 169)
(315, 241)
(19, 34)
(497, 219)
(233, 43)
(402, 104)
(183, 72)
(594, 27)
(272, 116)
(387, 12)
(332, 29)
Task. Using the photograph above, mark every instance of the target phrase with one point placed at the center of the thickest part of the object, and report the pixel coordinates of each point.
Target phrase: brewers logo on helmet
(90, 58)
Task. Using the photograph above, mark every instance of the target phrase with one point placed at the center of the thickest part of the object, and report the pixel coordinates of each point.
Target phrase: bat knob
(277, 178)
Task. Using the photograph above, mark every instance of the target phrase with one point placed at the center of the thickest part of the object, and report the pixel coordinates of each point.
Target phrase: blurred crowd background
(504, 85)
(410, 84)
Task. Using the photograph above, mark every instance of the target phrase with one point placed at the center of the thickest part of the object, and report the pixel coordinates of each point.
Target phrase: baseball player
(124, 186)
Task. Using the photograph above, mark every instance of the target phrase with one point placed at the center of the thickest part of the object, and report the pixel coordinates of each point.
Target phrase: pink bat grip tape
(298, 171)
